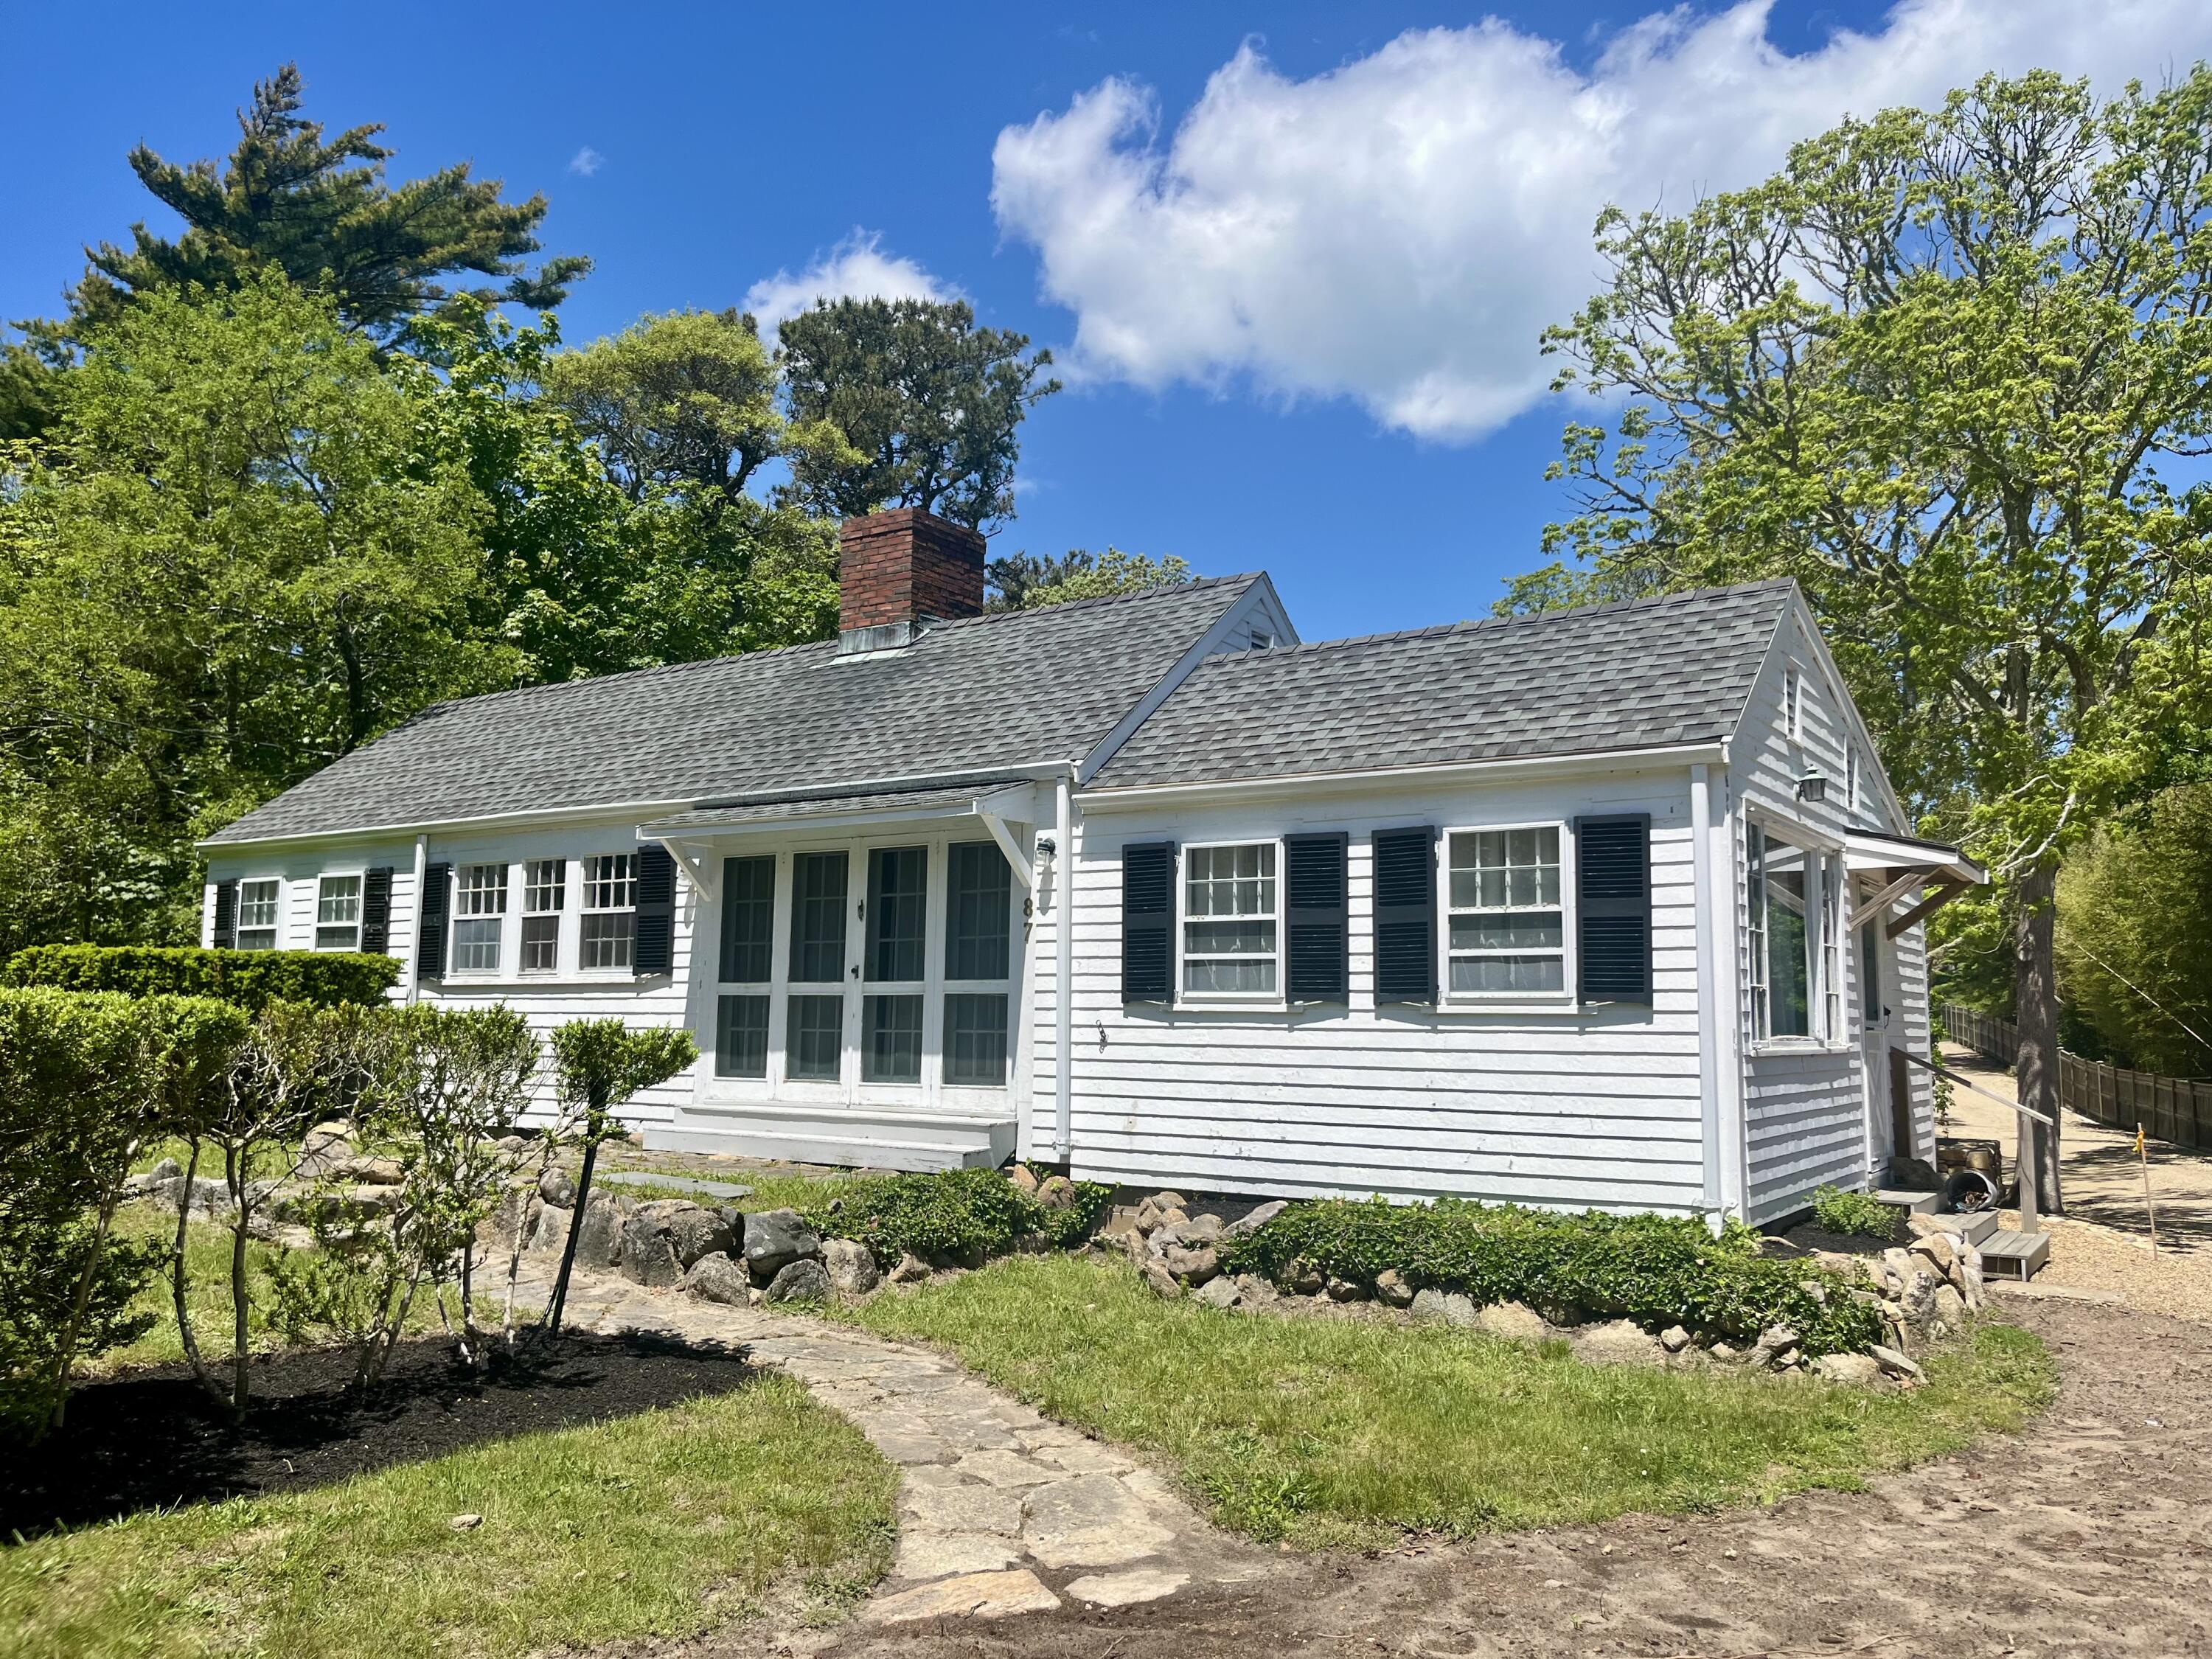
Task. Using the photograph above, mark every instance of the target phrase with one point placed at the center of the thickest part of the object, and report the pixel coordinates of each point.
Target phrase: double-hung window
(257, 914)
(979, 896)
(608, 933)
(747, 965)
(479, 915)
(814, 1018)
(544, 886)
(337, 913)
(1779, 940)
(1231, 943)
(1506, 916)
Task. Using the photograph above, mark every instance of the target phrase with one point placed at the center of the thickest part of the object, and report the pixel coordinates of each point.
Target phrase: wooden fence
(2170, 1109)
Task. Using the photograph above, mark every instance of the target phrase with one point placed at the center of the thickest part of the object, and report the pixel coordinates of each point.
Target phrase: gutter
(1132, 795)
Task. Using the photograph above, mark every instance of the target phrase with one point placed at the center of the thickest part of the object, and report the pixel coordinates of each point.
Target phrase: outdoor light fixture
(1813, 787)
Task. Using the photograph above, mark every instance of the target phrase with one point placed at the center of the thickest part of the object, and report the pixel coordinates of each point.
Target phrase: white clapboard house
(1609, 907)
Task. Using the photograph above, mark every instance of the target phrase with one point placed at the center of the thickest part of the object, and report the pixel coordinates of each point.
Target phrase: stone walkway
(1001, 1510)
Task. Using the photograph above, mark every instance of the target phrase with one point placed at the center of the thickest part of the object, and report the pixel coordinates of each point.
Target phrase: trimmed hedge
(248, 978)
(952, 1214)
(1651, 1269)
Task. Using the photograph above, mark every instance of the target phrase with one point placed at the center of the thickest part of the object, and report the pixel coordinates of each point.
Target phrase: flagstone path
(1001, 1510)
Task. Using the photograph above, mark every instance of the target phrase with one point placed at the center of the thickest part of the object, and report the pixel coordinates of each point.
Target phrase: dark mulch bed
(152, 1438)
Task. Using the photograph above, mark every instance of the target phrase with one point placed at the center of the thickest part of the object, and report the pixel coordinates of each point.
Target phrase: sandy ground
(2102, 1246)
(2089, 1535)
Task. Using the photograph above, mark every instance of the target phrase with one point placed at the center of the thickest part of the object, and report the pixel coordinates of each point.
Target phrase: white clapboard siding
(1807, 1122)
(1565, 1109)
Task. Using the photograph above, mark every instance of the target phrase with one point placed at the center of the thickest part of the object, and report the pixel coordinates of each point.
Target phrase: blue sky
(1294, 258)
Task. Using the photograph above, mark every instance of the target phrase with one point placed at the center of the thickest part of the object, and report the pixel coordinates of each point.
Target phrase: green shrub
(1836, 1210)
(1652, 1269)
(248, 978)
(954, 1214)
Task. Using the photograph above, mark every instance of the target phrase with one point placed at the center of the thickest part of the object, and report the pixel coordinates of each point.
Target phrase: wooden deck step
(1899, 1198)
(2014, 1256)
(1975, 1226)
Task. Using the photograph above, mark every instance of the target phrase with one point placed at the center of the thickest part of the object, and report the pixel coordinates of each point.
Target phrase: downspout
(1063, 939)
(1701, 833)
(415, 945)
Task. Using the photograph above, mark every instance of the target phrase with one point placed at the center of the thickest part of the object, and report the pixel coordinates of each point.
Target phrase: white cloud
(857, 268)
(1399, 230)
(586, 161)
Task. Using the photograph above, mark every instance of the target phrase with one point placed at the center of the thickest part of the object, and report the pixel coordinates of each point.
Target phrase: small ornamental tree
(85, 1082)
(296, 1064)
(600, 1064)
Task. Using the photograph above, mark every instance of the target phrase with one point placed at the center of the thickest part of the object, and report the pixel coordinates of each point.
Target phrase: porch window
(544, 882)
(1831, 949)
(608, 935)
(337, 913)
(814, 1023)
(257, 914)
(748, 951)
(478, 918)
(1229, 930)
(1506, 912)
(897, 919)
(814, 1038)
(979, 895)
(1780, 936)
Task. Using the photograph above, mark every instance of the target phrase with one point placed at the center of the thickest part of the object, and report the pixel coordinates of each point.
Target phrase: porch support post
(1063, 939)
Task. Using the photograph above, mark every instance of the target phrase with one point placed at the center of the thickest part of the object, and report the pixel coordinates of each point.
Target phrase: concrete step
(2014, 1256)
(856, 1138)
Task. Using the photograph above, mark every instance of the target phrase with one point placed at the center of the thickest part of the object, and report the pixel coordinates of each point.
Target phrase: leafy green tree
(319, 211)
(2135, 933)
(1939, 369)
(906, 403)
(1024, 581)
(232, 564)
(600, 1064)
(34, 372)
(684, 402)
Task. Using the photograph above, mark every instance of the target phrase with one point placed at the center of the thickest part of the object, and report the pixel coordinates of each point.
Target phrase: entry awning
(1905, 864)
(996, 802)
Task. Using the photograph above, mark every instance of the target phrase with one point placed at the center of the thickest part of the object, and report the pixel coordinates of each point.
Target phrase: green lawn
(1331, 1431)
(662, 1525)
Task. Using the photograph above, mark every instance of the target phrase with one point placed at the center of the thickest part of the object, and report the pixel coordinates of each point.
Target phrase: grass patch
(664, 1525)
(1328, 1431)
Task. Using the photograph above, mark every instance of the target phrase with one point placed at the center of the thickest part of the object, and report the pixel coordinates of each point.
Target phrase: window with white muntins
(1793, 939)
(544, 888)
(337, 913)
(257, 913)
(609, 933)
(1506, 912)
(1230, 935)
(479, 916)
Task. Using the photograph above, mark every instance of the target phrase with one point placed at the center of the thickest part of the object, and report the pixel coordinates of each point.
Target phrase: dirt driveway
(2091, 1534)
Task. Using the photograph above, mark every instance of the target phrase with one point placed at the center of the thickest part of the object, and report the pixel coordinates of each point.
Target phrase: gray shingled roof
(1637, 674)
(972, 696)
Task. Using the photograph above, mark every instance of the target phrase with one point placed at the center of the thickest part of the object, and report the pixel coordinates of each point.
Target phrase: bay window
(1505, 913)
(257, 914)
(1230, 941)
(608, 930)
(479, 915)
(337, 913)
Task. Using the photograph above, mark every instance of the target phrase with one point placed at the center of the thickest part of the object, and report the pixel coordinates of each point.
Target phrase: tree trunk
(2035, 993)
(240, 1300)
(177, 1286)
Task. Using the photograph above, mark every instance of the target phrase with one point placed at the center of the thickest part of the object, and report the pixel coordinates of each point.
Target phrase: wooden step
(854, 1137)
(1972, 1225)
(2014, 1256)
(1899, 1198)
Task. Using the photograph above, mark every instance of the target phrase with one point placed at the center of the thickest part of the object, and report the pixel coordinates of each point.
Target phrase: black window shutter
(1406, 914)
(376, 910)
(1147, 922)
(655, 949)
(434, 901)
(226, 915)
(1612, 902)
(1318, 971)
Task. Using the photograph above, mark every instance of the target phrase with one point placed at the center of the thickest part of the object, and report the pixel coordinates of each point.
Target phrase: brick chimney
(899, 567)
